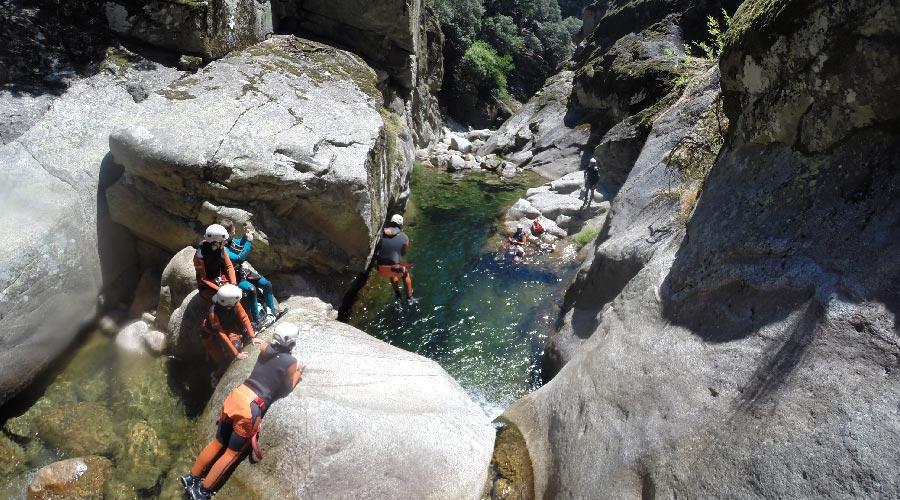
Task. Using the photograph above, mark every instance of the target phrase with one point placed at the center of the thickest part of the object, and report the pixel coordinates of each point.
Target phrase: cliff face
(746, 347)
(311, 143)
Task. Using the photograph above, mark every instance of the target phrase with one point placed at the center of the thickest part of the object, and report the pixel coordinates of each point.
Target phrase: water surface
(480, 315)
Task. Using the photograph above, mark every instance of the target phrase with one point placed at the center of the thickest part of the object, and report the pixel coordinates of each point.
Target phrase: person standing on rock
(391, 248)
(249, 280)
(211, 261)
(274, 376)
(591, 178)
(225, 330)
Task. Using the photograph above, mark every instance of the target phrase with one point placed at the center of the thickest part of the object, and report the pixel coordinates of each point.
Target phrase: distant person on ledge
(274, 376)
(591, 178)
(391, 248)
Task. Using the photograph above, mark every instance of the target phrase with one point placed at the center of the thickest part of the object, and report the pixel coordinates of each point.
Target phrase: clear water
(480, 315)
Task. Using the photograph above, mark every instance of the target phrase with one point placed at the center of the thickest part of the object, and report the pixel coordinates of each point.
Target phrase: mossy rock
(142, 392)
(118, 490)
(75, 478)
(12, 457)
(512, 463)
(78, 429)
(142, 456)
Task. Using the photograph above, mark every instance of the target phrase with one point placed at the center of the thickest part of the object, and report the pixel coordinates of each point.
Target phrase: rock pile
(559, 206)
(459, 151)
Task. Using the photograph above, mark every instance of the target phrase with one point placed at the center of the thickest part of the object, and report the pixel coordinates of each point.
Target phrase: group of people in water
(231, 286)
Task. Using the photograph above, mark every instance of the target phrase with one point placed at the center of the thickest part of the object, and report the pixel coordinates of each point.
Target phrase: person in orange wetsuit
(225, 329)
(391, 248)
(274, 376)
(212, 263)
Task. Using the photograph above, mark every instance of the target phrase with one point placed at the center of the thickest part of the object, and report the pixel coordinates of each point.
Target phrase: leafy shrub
(483, 72)
(585, 236)
(711, 48)
(502, 34)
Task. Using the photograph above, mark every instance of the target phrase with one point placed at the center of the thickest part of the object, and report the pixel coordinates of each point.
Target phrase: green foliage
(502, 34)
(461, 24)
(585, 236)
(711, 48)
(483, 72)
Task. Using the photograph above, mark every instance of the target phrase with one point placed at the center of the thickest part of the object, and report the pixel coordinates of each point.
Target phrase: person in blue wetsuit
(249, 280)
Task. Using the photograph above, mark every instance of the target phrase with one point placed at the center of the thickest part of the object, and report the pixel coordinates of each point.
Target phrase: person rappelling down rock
(248, 278)
(226, 330)
(390, 250)
(274, 376)
(213, 266)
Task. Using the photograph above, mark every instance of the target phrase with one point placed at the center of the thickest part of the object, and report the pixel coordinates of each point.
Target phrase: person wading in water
(274, 376)
(391, 248)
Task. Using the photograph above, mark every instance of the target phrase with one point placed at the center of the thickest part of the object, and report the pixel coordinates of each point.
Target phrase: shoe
(411, 301)
(188, 481)
(198, 492)
(268, 321)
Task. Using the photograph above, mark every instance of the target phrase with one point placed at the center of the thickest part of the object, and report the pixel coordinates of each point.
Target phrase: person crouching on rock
(238, 249)
(517, 242)
(391, 248)
(274, 376)
(212, 263)
(225, 330)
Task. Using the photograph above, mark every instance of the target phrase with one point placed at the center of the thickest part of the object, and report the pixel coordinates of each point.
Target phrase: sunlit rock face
(289, 135)
(748, 350)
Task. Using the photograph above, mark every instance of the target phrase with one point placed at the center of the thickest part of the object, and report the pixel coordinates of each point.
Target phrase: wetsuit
(274, 376)
(519, 240)
(393, 246)
(223, 334)
(214, 269)
(238, 250)
(591, 178)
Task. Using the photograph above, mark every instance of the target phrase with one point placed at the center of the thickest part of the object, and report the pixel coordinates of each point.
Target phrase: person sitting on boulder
(391, 248)
(517, 242)
(212, 263)
(248, 278)
(591, 178)
(225, 329)
(274, 376)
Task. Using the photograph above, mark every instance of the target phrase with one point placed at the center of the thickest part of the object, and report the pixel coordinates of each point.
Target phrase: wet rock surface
(76, 478)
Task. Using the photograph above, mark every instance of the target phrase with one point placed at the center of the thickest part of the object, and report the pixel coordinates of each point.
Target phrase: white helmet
(519, 227)
(397, 219)
(228, 295)
(286, 335)
(215, 233)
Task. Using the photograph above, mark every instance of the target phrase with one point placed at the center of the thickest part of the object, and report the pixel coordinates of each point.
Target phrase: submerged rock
(78, 429)
(13, 458)
(75, 478)
(381, 419)
(142, 458)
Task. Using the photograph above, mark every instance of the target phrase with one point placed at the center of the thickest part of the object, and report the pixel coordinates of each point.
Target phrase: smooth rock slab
(289, 133)
(368, 421)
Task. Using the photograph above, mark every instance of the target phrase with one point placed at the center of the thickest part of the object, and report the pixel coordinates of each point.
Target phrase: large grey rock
(52, 179)
(401, 37)
(288, 134)
(756, 356)
(368, 420)
(556, 138)
(209, 28)
(179, 278)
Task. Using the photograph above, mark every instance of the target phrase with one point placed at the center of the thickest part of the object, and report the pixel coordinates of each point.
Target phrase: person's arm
(229, 268)
(405, 247)
(200, 267)
(216, 325)
(245, 252)
(293, 376)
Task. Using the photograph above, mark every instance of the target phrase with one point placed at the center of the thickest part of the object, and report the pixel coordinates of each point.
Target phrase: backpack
(537, 228)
